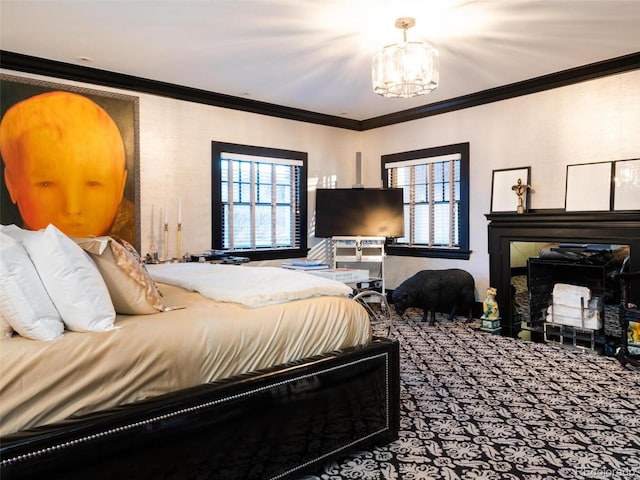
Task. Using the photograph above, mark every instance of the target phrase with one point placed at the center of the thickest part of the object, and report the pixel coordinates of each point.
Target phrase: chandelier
(406, 69)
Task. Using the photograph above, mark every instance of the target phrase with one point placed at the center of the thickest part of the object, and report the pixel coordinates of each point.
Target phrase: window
(259, 204)
(436, 200)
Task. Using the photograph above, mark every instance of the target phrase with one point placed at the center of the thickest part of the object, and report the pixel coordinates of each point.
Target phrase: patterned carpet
(477, 406)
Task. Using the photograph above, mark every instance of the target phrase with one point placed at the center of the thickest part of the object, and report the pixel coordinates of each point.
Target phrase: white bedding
(249, 286)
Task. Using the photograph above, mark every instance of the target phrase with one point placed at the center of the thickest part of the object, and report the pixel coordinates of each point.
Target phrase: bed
(243, 391)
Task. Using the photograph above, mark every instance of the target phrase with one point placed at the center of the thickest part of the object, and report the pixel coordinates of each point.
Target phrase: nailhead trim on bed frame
(88, 438)
(350, 444)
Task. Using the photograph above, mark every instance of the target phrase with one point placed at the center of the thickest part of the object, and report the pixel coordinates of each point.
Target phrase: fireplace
(554, 226)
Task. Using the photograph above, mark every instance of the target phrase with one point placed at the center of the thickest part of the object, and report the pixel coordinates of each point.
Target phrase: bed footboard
(274, 424)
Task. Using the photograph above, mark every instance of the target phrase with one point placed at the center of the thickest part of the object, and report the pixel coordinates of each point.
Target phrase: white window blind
(260, 197)
(431, 199)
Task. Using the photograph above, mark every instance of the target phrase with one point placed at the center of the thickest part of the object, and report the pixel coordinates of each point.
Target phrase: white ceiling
(316, 54)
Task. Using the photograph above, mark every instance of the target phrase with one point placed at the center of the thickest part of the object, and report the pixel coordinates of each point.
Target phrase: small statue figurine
(490, 306)
(520, 190)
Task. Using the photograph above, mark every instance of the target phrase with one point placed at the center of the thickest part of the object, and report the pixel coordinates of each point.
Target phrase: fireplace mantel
(555, 226)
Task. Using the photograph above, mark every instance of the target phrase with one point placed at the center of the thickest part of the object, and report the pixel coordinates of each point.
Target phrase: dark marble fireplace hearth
(555, 226)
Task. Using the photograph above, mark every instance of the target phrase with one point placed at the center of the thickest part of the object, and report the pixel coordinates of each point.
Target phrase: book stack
(305, 264)
(345, 275)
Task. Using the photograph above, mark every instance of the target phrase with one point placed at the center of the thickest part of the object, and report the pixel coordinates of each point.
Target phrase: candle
(180, 210)
(152, 232)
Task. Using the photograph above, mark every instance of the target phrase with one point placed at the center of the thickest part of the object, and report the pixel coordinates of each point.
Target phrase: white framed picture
(626, 181)
(588, 187)
(505, 186)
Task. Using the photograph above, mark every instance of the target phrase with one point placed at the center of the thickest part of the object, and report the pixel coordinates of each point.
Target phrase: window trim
(217, 148)
(461, 253)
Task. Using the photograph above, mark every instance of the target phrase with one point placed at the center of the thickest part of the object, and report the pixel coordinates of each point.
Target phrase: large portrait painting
(69, 157)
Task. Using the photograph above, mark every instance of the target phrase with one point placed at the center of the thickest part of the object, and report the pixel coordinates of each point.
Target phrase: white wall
(587, 122)
(521, 252)
(175, 158)
(593, 121)
(175, 145)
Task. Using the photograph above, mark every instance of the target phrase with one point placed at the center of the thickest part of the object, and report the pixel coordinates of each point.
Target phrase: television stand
(366, 253)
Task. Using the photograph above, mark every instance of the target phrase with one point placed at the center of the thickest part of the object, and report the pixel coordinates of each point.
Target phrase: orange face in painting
(64, 163)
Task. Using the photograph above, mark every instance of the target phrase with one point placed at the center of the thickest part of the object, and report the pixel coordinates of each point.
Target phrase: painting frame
(626, 184)
(125, 112)
(503, 196)
(589, 187)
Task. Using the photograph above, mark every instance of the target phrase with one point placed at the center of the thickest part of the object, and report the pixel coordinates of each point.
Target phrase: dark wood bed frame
(273, 424)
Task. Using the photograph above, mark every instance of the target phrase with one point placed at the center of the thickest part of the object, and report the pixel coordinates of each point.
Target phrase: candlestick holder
(178, 240)
(165, 245)
(152, 256)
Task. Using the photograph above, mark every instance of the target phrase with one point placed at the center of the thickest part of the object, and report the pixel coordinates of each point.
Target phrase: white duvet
(250, 286)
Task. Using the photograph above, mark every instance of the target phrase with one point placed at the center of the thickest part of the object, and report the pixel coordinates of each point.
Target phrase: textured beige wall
(593, 121)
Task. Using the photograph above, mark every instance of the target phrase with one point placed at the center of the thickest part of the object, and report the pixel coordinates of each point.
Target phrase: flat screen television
(363, 212)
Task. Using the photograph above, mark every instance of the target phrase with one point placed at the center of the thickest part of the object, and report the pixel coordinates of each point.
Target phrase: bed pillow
(71, 278)
(24, 302)
(130, 286)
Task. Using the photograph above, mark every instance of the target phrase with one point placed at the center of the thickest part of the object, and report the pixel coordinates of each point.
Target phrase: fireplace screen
(573, 284)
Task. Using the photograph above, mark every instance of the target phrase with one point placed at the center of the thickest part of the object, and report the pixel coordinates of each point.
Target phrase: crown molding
(534, 85)
(80, 73)
(52, 68)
